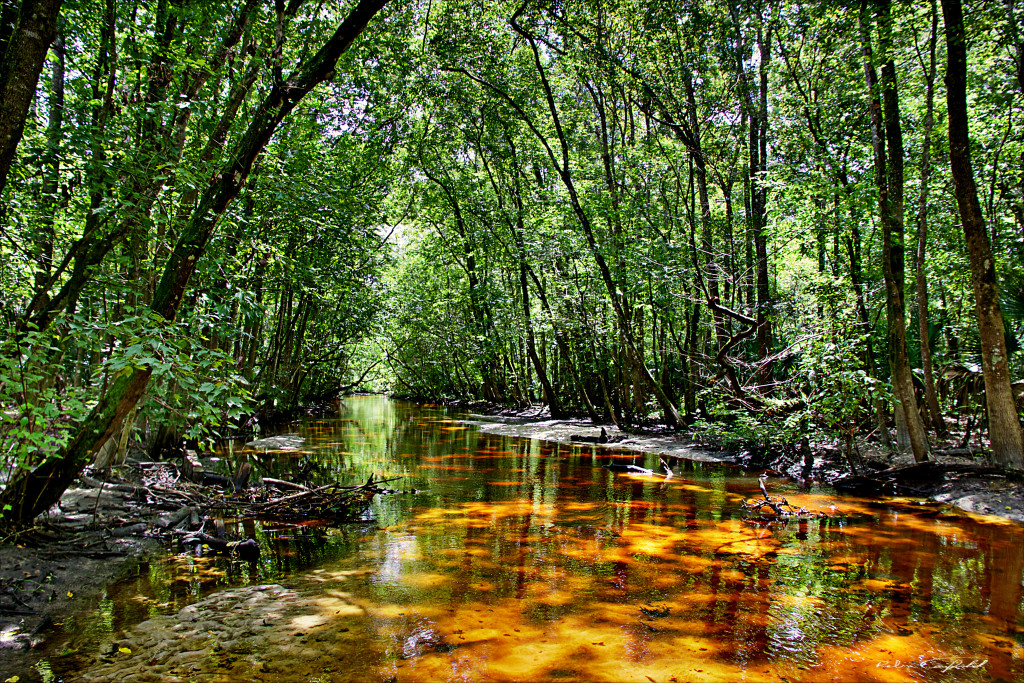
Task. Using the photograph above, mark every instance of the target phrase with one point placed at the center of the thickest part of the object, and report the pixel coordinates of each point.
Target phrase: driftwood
(282, 484)
(109, 485)
(965, 452)
(769, 509)
(130, 530)
(332, 501)
(167, 521)
(612, 466)
(191, 501)
(583, 438)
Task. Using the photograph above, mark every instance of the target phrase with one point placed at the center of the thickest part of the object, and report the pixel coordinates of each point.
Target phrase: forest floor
(60, 569)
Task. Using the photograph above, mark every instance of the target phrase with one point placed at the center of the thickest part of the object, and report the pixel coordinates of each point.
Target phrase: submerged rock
(282, 442)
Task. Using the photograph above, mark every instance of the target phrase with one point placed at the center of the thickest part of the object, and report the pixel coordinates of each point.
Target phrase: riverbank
(990, 495)
(57, 572)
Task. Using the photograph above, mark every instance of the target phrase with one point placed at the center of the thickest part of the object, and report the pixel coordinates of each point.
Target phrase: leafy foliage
(553, 202)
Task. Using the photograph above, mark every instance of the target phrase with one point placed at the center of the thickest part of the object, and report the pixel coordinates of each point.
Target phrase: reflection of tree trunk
(1005, 571)
(1004, 424)
(923, 585)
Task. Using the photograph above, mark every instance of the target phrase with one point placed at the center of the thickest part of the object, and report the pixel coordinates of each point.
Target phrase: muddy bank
(57, 571)
(989, 494)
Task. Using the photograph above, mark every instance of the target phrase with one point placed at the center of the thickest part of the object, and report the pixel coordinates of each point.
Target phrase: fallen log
(927, 469)
(961, 452)
(302, 494)
(110, 486)
(583, 438)
(612, 466)
(174, 519)
(130, 530)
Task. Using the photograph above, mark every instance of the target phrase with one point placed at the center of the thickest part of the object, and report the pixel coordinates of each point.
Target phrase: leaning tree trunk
(1004, 424)
(31, 492)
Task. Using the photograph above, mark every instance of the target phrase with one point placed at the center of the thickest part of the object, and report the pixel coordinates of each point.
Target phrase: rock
(282, 442)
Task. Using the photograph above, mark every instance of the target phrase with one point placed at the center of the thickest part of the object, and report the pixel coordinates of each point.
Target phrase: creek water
(516, 559)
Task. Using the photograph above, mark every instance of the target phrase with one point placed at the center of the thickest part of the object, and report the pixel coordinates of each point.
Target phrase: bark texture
(22, 61)
(886, 132)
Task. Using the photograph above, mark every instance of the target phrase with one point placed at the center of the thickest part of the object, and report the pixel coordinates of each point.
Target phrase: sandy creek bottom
(521, 560)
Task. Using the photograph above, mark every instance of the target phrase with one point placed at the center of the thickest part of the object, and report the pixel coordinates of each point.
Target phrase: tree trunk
(712, 271)
(889, 181)
(931, 399)
(1004, 424)
(20, 66)
(51, 172)
(754, 100)
(157, 144)
(669, 410)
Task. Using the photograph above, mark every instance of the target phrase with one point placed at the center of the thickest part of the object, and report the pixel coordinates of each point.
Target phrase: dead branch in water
(273, 500)
(768, 508)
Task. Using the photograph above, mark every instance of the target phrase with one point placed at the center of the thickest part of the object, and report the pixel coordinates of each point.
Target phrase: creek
(517, 559)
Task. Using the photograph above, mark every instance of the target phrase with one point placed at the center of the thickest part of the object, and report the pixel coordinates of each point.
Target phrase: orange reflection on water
(555, 569)
(543, 593)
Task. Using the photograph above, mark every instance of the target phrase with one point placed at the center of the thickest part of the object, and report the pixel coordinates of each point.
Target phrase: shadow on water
(517, 559)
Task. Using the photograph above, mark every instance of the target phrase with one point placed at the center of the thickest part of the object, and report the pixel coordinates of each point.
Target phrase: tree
(931, 400)
(886, 132)
(25, 36)
(1004, 424)
(30, 492)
